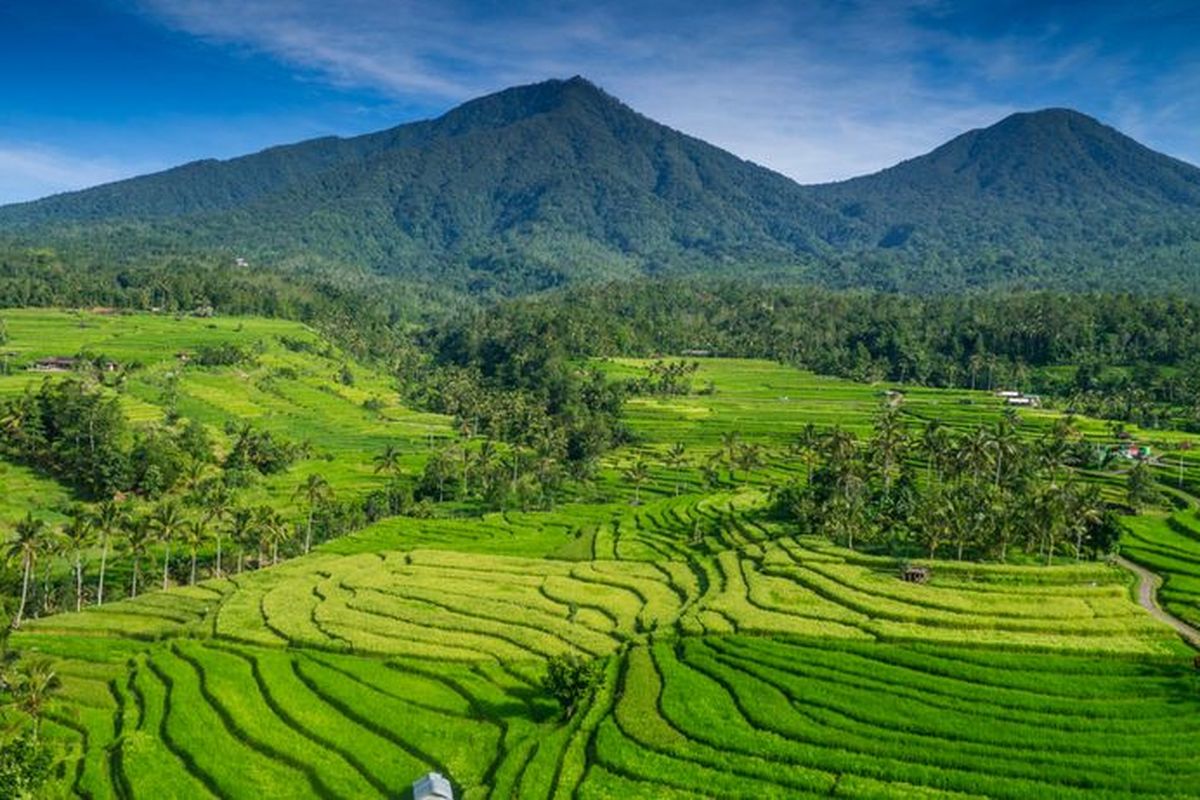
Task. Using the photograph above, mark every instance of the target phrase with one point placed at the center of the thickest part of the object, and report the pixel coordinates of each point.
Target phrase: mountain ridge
(558, 181)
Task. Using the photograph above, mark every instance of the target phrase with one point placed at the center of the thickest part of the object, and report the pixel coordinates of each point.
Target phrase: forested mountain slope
(558, 181)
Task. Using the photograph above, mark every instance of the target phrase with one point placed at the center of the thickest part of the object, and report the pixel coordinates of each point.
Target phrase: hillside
(558, 182)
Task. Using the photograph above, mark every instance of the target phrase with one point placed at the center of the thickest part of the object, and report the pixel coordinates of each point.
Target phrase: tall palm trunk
(78, 581)
(103, 563)
(24, 591)
(219, 557)
(192, 579)
(137, 571)
(166, 566)
(308, 532)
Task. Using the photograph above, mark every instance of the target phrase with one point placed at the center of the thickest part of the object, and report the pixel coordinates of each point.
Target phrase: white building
(432, 787)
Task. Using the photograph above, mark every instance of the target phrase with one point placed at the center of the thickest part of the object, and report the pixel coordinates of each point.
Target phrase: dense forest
(1122, 356)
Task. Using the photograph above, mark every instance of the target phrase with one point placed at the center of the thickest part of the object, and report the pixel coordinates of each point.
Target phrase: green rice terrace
(735, 653)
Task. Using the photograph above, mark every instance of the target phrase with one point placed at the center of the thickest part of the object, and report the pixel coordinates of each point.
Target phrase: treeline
(1129, 357)
(978, 495)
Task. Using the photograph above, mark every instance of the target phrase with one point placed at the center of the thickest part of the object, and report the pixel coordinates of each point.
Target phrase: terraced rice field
(739, 660)
(745, 665)
(289, 392)
(1170, 547)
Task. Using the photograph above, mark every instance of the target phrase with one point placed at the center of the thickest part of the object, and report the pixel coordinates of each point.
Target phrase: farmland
(738, 657)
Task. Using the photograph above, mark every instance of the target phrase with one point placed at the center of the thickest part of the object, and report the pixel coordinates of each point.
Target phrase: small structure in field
(54, 364)
(698, 353)
(914, 574)
(1015, 398)
(432, 786)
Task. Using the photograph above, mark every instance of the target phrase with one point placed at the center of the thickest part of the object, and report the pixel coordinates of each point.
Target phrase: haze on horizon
(98, 90)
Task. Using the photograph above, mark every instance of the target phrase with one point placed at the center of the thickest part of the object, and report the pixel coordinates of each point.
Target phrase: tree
(1139, 487)
(216, 500)
(315, 490)
(241, 532)
(29, 542)
(637, 474)
(107, 520)
(571, 680)
(167, 522)
(193, 535)
(748, 457)
(30, 685)
(139, 535)
(676, 458)
(388, 461)
(78, 535)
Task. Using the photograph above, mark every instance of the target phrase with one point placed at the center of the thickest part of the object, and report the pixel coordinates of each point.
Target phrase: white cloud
(30, 171)
(811, 90)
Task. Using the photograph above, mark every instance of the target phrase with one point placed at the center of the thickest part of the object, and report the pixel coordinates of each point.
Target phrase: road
(1147, 589)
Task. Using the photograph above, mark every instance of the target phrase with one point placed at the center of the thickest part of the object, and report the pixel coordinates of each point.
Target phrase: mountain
(1051, 196)
(558, 181)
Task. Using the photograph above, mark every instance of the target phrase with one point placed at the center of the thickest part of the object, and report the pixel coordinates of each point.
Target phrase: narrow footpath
(1147, 589)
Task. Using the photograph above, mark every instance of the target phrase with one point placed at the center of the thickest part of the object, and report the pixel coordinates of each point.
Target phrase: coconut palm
(676, 458)
(166, 522)
(30, 685)
(78, 534)
(388, 461)
(315, 490)
(747, 457)
(1005, 446)
(192, 534)
(108, 519)
(241, 531)
(139, 536)
(26, 546)
(637, 474)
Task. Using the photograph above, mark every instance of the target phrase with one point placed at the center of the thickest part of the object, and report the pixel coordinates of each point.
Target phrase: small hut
(914, 574)
(432, 786)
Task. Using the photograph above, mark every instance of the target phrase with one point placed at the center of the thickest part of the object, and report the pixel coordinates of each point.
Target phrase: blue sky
(96, 90)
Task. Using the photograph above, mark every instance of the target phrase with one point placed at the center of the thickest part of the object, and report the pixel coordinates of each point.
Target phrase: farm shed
(54, 364)
(432, 786)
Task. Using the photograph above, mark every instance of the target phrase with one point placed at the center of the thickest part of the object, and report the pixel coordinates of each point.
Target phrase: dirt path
(1147, 589)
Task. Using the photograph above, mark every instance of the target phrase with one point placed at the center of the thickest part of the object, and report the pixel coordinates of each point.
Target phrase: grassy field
(740, 660)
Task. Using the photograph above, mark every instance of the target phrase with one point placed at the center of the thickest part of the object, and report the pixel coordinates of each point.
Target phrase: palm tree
(217, 500)
(1005, 445)
(805, 446)
(748, 457)
(241, 530)
(973, 452)
(388, 461)
(31, 685)
(676, 458)
(78, 535)
(107, 520)
(934, 441)
(315, 490)
(888, 445)
(729, 443)
(637, 474)
(166, 522)
(138, 537)
(28, 544)
(193, 534)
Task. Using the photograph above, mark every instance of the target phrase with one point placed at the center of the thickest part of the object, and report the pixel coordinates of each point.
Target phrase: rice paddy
(740, 659)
